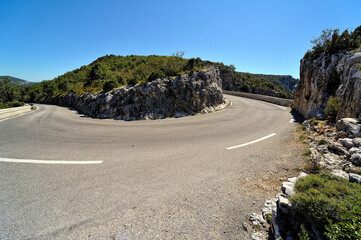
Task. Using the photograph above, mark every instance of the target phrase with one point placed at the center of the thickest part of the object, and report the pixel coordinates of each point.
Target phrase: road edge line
(11, 160)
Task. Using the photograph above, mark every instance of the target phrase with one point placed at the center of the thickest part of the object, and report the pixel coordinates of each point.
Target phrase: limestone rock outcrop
(329, 76)
(169, 97)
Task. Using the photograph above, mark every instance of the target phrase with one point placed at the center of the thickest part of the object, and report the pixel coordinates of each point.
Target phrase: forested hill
(287, 81)
(17, 80)
(113, 71)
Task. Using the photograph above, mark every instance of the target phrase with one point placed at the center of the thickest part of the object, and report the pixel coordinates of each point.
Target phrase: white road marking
(10, 160)
(255, 141)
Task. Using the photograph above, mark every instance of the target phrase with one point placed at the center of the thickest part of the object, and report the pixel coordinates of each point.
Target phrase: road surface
(155, 179)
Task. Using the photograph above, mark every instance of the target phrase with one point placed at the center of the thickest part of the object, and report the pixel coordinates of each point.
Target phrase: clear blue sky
(43, 39)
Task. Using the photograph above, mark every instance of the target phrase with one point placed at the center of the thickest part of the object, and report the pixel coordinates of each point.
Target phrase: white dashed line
(10, 160)
(255, 141)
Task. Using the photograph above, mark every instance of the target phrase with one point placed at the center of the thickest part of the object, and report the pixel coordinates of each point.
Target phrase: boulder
(338, 148)
(354, 178)
(354, 150)
(351, 126)
(356, 159)
(357, 142)
(346, 142)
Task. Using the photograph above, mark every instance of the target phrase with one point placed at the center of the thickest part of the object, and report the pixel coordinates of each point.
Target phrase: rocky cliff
(329, 76)
(288, 82)
(161, 98)
(258, 83)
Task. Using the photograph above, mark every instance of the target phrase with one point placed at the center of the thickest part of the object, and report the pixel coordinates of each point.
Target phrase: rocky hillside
(270, 85)
(188, 94)
(330, 73)
(286, 81)
(111, 71)
(326, 76)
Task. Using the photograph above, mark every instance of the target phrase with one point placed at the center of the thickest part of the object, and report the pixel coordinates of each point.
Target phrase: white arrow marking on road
(255, 141)
(10, 160)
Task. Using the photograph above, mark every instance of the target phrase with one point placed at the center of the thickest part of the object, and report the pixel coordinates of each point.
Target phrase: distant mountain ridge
(18, 80)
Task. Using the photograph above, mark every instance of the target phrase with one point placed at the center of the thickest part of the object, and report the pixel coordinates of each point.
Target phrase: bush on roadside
(10, 104)
(331, 204)
(312, 166)
(333, 106)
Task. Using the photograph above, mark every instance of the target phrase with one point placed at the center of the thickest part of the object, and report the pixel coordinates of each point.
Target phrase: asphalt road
(159, 179)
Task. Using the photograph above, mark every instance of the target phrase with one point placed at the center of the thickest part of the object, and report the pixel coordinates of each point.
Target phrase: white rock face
(288, 188)
(169, 97)
(327, 76)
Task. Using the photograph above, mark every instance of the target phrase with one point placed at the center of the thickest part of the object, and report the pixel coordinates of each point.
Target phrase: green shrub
(331, 41)
(134, 70)
(10, 104)
(333, 106)
(110, 85)
(330, 203)
(312, 166)
(322, 142)
(307, 153)
(348, 228)
(303, 235)
(315, 122)
(155, 75)
(302, 137)
(135, 80)
(269, 217)
(300, 128)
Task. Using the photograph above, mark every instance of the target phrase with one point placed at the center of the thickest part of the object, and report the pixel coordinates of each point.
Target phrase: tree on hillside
(99, 71)
(179, 54)
(9, 92)
(331, 41)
